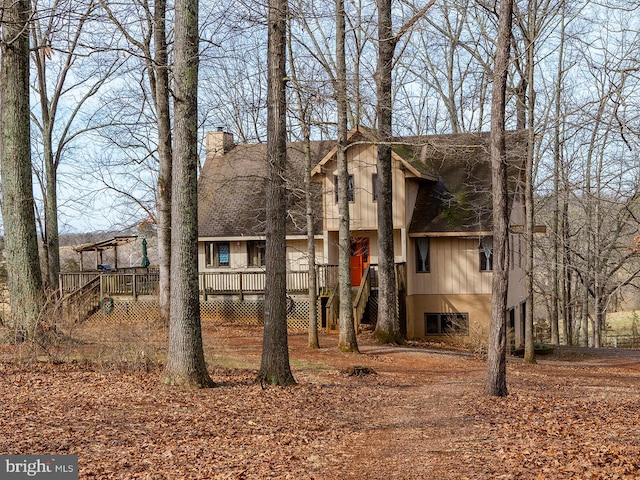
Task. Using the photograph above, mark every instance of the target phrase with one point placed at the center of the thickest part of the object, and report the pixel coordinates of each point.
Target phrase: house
(441, 215)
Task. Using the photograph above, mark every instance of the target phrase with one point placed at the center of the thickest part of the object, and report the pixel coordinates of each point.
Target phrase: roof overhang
(106, 244)
(516, 229)
(520, 229)
(478, 234)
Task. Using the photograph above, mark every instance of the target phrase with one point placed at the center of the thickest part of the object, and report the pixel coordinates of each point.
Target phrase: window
(350, 189)
(374, 186)
(255, 253)
(422, 255)
(446, 323)
(216, 254)
(360, 248)
(486, 254)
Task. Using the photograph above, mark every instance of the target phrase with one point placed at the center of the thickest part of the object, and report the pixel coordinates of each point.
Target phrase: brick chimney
(219, 142)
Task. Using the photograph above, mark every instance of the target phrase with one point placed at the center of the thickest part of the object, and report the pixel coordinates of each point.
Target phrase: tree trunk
(561, 290)
(305, 120)
(21, 245)
(163, 199)
(274, 367)
(529, 350)
(347, 340)
(388, 324)
(311, 246)
(185, 362)
(555, 226)
(568, 276)
(496, 380)
(52, 237)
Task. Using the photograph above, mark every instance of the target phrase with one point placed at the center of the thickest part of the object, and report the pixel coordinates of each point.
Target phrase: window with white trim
(256, 253)
(486, 254)
(350, 190)
(217, 254)
(422, 255)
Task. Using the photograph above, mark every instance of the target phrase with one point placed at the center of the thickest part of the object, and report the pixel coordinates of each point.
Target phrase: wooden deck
(143, 282)
(83, 293)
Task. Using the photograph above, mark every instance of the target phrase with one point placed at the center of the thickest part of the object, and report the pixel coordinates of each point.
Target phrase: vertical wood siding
(363, 211)
(455, 269)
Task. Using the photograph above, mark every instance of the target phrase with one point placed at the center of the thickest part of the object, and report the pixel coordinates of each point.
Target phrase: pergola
(100, 247)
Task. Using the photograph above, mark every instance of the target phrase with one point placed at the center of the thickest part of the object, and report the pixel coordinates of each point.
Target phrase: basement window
(446, 323)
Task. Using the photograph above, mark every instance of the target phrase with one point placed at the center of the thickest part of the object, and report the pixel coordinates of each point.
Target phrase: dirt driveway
(421, 415)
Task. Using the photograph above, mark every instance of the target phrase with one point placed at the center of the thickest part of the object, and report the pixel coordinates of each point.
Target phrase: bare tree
(496, 380)
(274, 366)
(185, 361)
(21, 246)
(152, 48)
(161, 95)
(448, 58)
(304, 114)
(347, 340)
(66, 73)
(388, 324)
(314, 342)
(525, 98)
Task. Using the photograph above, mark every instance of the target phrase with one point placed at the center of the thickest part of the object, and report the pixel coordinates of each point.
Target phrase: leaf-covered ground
(421, 415)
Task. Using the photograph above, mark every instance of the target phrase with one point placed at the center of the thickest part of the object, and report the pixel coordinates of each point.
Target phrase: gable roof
(232, 190)
(361, 134)
(453, 173)
(461, 198)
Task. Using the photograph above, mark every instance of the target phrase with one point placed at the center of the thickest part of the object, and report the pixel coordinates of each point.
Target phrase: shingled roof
(460, 200)
(453, 174)
(232, 190)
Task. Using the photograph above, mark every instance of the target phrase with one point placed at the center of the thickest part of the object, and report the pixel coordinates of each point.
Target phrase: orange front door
(359, 258)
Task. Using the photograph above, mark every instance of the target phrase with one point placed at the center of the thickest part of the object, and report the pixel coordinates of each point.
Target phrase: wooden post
(134, 285)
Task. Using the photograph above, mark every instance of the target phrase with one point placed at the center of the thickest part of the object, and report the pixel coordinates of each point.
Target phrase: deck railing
(138, 281)
(362, 297)
(129, 284)
(70, 282)
(212, 283)
(82, 302)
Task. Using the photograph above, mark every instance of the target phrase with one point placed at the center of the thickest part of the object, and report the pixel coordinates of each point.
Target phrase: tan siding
(477, 306)
(363, 211)
(330, 206)
(362, 165)
(399, 194)
(454, 269)
(297, 257)
(517, 292)
(458, 270)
